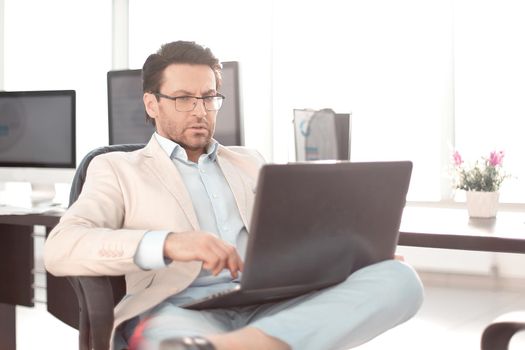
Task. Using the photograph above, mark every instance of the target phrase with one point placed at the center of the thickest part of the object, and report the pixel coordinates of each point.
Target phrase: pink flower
(457, 158)
(496, 158)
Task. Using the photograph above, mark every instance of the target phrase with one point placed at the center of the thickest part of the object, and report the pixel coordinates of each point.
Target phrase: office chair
(498, 334)
(96, 295)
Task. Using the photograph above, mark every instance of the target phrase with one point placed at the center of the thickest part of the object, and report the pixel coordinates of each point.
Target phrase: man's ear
(151, 104)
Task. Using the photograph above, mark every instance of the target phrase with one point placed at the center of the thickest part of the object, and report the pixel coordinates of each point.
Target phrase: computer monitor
(229, 126)
(126, 115)
(37, 139)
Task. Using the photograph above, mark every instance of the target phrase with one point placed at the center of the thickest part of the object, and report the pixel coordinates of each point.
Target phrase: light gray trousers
(371, 301)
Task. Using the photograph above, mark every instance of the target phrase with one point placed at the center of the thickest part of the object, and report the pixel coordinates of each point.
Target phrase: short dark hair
(185, 52)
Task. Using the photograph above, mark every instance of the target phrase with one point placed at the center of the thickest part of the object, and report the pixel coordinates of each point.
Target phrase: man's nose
(200, 109)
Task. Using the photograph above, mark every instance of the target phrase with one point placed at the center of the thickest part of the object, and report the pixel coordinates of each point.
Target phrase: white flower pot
(482, 204)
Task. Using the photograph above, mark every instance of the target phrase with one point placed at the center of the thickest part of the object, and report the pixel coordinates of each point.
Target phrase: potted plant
(481, 181)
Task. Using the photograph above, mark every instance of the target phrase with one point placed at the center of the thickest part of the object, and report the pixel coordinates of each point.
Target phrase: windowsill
(450, 204)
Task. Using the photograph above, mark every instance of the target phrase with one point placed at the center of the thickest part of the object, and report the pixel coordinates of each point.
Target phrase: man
(173, 218)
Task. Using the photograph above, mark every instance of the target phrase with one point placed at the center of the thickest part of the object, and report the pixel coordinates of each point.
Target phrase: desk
(420, 227)
(16, 268)
(453, 229)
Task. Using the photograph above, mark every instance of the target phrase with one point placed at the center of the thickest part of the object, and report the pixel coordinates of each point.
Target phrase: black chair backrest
(86, 302)
(81, 172)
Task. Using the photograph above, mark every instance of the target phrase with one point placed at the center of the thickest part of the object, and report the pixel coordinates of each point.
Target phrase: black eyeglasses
(188, 103)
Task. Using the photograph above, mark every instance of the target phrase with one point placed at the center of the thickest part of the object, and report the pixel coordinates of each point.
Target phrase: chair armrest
(96, 303)
(497, 335)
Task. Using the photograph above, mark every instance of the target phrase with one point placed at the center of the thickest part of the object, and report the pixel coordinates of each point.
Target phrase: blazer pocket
(141, 283)
(251, 186)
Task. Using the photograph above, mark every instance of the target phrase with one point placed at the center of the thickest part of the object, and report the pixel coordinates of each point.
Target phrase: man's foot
(187, 343)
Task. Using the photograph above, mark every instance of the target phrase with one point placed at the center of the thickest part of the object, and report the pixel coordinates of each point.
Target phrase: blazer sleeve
(89, 239)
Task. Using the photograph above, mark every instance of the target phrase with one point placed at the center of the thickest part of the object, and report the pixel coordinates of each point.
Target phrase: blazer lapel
(237, 186)
(162, 166)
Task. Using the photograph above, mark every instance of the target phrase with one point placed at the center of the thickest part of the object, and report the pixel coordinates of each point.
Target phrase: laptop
(313, 224)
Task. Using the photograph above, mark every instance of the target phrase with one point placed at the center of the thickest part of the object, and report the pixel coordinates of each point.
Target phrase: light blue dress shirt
(214, 206)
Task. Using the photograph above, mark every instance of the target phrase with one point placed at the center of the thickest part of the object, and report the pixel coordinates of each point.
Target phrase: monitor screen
(37, 129)
(342, 135)
(126, 114)
(229, 126)
(127, 123)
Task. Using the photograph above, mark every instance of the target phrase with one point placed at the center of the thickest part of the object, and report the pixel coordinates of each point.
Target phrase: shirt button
(203, 171)
(215, 196)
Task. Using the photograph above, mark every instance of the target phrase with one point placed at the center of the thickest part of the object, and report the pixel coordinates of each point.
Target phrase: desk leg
(7, 327)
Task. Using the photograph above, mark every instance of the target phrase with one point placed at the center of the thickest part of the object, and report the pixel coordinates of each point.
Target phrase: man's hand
(399, 257)
(215, 254)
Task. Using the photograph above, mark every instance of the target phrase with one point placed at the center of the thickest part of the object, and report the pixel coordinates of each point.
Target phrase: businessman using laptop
(174, 217)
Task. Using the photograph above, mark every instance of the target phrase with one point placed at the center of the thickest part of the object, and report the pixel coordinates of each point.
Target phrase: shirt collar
(174, 150)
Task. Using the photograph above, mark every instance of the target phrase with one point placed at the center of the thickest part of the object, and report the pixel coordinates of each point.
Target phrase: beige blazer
(125, 195)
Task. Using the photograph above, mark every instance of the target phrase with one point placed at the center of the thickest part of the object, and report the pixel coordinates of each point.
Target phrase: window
(420, 77)
(489, 51)
(386, 62)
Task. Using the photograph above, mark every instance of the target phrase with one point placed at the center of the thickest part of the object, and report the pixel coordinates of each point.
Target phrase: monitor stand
(38, 197)
(42, 194)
